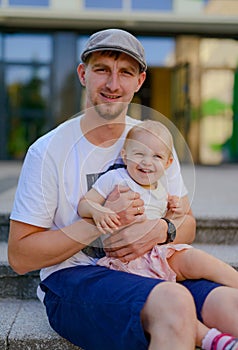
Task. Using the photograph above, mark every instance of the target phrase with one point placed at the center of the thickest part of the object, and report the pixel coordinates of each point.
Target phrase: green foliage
(214, 106)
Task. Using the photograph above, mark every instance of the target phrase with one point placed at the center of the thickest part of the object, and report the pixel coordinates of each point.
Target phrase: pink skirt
(153, 264)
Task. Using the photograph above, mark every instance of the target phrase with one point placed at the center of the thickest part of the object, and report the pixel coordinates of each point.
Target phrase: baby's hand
(107, 221)
(174, 205)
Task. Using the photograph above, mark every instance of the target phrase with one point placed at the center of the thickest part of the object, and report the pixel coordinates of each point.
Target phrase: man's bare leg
(220, 310)
(161, 318)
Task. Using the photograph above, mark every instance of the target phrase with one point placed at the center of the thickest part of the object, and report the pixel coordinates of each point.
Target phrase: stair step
(17, 286)
(4, 227)
(209, 230)
(12, 284)
(24, 325)
(218, 231)
(227, 253)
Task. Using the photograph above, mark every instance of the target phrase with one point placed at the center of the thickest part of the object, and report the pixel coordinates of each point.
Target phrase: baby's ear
(169, 162)
(123, 155)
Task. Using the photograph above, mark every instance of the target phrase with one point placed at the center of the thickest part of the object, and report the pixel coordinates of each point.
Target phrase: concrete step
(24, 287)
(12, 284)
(4, 227)
(218, 237)
(24, 325)
(209, 230)
(227, 253)
(217, 231)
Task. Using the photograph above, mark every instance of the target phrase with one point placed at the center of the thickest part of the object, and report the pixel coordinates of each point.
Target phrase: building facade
(192, 55)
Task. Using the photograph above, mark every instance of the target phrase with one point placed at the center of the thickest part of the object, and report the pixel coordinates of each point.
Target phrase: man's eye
(126, 72)
(100, 70)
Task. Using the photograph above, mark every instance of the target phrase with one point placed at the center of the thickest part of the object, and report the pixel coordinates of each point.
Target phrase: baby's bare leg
(194, 264)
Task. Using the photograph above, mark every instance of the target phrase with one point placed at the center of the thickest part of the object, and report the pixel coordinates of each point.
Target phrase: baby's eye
(157, 156)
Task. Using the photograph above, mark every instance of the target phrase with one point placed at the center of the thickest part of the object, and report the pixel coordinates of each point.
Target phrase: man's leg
(220, 310)
(95, 307)
(216, 305)
(161, 318)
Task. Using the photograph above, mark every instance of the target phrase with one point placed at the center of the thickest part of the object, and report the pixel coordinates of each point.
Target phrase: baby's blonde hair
(157, 129)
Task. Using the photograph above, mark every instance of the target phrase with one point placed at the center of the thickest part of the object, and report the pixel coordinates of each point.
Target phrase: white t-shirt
(58, 170)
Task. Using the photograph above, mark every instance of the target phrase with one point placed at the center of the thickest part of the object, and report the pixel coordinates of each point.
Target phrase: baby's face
(146, 158)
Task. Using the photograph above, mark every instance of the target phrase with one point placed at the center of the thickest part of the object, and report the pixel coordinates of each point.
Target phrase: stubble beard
(112, 110)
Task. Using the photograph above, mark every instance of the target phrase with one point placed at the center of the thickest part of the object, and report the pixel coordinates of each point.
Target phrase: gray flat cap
(116, 40)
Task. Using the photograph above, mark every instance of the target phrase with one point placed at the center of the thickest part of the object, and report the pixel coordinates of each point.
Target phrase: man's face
(110, 83)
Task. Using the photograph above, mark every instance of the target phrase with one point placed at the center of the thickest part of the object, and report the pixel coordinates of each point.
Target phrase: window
(44, 3)
(162, 5)
(81, 42)
(28, 48)
(28, 99)
(158, 51)
(27, 59)
(0, 46)
(103, 4)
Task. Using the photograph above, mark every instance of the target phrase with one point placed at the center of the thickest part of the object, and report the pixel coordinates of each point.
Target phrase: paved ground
(213, 190)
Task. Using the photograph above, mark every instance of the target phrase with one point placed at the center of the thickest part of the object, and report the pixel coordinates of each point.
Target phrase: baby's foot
(224, 342)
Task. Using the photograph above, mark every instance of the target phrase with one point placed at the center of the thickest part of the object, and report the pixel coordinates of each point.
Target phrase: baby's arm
(175, 207)
(91, 206)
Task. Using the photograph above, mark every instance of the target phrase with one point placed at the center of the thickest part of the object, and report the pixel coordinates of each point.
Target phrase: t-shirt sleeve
(105, 183)
(36, 195)
(173, 180)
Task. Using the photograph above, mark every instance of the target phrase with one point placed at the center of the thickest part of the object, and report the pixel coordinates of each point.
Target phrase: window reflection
(103, 4)
(159, 51)
(28, 92)
(0, 45)
(152, 5)
(27, 60)
(28, 48)
(29, 2)
(81, 42)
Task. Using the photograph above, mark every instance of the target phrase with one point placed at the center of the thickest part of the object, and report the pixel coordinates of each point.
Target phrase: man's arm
(32, 247)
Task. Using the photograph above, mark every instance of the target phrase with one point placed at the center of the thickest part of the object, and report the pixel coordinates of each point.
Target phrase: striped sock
(215, 340)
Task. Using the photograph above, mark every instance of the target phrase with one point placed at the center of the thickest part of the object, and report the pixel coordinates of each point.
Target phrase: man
(91, 306)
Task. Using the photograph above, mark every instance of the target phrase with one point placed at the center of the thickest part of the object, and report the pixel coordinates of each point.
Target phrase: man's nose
(113, 81)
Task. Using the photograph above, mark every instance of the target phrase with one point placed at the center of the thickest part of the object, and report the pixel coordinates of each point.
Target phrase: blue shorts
(99, 309)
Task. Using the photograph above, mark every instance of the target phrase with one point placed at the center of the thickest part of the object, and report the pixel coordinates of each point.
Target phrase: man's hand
(127, 204)
(136, 239)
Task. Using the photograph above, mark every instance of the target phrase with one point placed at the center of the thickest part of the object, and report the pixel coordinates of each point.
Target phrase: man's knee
(165, 305)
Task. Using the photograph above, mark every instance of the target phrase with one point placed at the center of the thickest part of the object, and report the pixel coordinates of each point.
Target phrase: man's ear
(81, 73)
(123, 155)
(141, 80)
